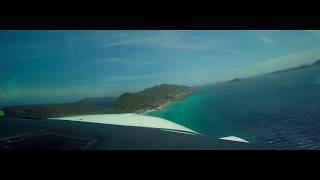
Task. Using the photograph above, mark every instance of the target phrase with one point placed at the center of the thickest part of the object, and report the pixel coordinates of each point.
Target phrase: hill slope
(98, 101)
(150, 98)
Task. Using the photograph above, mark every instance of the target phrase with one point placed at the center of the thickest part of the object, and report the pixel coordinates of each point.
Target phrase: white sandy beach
(157, 108)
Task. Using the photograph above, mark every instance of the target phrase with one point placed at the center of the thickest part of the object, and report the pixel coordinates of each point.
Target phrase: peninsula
(148, 99)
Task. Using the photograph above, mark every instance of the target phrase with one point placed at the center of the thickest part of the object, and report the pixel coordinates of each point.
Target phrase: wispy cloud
(163, 39)
(266, 39)
(107, 60)
(233, 51)
(129, 61)
(267, 36)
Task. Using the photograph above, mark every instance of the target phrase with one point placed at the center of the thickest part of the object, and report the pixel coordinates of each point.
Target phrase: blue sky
(60, 66)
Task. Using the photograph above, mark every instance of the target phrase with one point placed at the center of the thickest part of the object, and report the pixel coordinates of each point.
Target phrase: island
(150, 98)
(140, 102)
(235, 80)
(316, 63)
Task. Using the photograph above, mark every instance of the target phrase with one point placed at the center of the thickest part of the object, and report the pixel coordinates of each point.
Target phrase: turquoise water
(201, 112)
(281, 109)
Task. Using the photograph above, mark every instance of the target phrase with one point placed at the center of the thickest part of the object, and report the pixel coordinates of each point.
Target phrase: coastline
(155, 109)
(165, 104)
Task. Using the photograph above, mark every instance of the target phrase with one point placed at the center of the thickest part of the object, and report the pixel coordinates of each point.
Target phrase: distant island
(316, 63)
(140, 102)
(235, 80)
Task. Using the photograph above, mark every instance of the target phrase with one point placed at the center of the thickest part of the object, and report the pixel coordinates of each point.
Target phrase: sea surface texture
(281, 109)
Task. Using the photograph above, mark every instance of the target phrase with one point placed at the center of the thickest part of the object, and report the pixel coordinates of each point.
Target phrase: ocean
(280, 109)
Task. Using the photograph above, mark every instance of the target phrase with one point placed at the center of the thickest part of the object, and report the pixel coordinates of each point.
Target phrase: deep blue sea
(279, 109)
